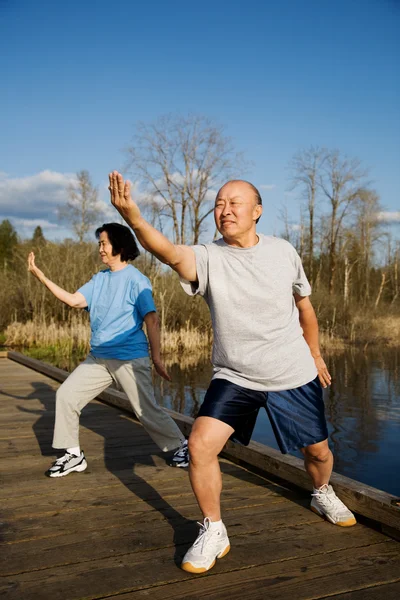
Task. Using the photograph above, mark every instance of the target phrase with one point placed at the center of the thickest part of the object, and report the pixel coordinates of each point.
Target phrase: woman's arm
(76, 300)
(309, 325)
(153, 334)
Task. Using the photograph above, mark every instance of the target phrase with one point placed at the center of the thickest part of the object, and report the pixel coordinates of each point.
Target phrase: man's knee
(200, 448)
(317, 454)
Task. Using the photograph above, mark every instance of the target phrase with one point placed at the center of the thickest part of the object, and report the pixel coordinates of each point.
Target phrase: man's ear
(259, 210)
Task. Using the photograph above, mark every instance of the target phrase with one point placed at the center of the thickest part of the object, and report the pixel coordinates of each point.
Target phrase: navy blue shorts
(297, 416)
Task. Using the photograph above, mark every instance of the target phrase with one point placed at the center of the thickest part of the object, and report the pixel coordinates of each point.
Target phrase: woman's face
(105, 249)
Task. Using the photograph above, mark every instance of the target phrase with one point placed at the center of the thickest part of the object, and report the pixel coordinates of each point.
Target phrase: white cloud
(35, 196)
(34, 200)
(267, 186)
(389, 217)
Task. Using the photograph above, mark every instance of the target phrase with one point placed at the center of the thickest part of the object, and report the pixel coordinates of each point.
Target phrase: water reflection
(362, 408)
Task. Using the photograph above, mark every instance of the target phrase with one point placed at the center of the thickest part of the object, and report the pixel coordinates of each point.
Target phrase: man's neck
(247, 240)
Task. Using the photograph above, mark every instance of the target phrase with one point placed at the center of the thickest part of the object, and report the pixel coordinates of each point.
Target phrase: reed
(74, 336)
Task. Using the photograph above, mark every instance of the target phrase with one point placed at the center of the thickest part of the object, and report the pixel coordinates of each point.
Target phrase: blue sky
(278, 76)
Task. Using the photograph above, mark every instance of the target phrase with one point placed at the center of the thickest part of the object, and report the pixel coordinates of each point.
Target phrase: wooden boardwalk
(119, 530)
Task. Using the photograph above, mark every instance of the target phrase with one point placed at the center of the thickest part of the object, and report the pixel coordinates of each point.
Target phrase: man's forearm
(309, 324)
(154, 241)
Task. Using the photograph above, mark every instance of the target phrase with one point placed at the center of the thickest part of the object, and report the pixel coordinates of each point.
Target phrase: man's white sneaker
(68, 463)
(326, 504)
(211, 543)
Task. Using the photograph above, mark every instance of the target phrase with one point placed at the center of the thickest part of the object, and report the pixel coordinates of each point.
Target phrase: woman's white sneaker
(326, 504)
(211, 543)
(68, 463)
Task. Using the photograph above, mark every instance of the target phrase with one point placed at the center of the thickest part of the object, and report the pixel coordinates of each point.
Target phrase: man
(265, 353)
(119, 299)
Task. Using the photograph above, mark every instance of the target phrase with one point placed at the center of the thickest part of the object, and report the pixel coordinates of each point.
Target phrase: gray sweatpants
(91, 378)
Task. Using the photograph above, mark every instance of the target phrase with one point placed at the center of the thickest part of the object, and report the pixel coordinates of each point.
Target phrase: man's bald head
(246, 185)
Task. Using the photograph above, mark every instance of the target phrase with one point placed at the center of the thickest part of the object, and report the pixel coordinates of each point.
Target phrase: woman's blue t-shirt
(117, 302)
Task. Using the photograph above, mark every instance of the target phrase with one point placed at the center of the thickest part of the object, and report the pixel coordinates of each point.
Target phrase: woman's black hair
(121, 239)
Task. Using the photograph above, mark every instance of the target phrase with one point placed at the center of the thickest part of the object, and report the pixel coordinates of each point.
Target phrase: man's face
(236, 209)
(105, 248)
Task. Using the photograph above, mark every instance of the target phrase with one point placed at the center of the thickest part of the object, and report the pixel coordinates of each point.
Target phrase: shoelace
(204, 534)
(182, 451)
(64, 458)
(327, 500)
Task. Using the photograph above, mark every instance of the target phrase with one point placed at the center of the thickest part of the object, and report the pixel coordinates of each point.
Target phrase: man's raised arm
(180, 258)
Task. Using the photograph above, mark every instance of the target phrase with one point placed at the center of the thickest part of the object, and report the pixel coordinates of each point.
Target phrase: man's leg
(135, 379)
(318, 462)
(206, 441)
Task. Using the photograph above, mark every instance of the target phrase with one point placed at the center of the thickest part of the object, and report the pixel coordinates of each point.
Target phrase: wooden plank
(21, 491)
(341, 575)
(148, 532)
(70, 518)
(386, 591)
(281, 567)
(122, 494)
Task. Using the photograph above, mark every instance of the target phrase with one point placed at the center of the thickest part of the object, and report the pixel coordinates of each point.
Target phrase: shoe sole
(178, 465)
(349, 523)
(77, 469)
(189, 568)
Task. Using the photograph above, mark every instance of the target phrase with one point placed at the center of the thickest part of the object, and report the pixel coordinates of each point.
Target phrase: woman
(119, 299)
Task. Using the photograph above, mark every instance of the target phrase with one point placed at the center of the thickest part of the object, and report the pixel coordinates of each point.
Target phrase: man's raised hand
(121, 198)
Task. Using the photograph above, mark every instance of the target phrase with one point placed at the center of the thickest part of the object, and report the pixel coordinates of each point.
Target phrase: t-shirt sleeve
(87, 291)
(200, 286)
(301, 284)
(144, 298)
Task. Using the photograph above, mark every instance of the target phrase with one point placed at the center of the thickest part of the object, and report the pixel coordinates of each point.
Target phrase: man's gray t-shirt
(258, 341)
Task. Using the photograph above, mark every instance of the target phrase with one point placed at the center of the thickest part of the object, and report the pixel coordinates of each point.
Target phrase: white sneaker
(211, 543)
(67, 464)
(326, 504)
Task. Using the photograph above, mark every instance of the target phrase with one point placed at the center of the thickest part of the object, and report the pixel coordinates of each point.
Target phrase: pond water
(362, 408)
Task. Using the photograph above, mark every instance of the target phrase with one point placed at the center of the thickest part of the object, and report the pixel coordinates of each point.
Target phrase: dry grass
(187, 345)
(186, 340)
(66, 337)
(386, 330)
(330, 344)
(75, 336)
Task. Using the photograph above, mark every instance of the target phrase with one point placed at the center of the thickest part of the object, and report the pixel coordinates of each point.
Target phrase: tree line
(349, 254)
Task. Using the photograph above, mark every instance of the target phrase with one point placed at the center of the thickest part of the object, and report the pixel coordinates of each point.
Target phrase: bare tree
(180, 161)
(305, 172)
(82, 208)
(369, 230)
(342, 182)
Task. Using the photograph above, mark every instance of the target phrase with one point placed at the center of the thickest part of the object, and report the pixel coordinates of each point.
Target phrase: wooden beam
(362, 499)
